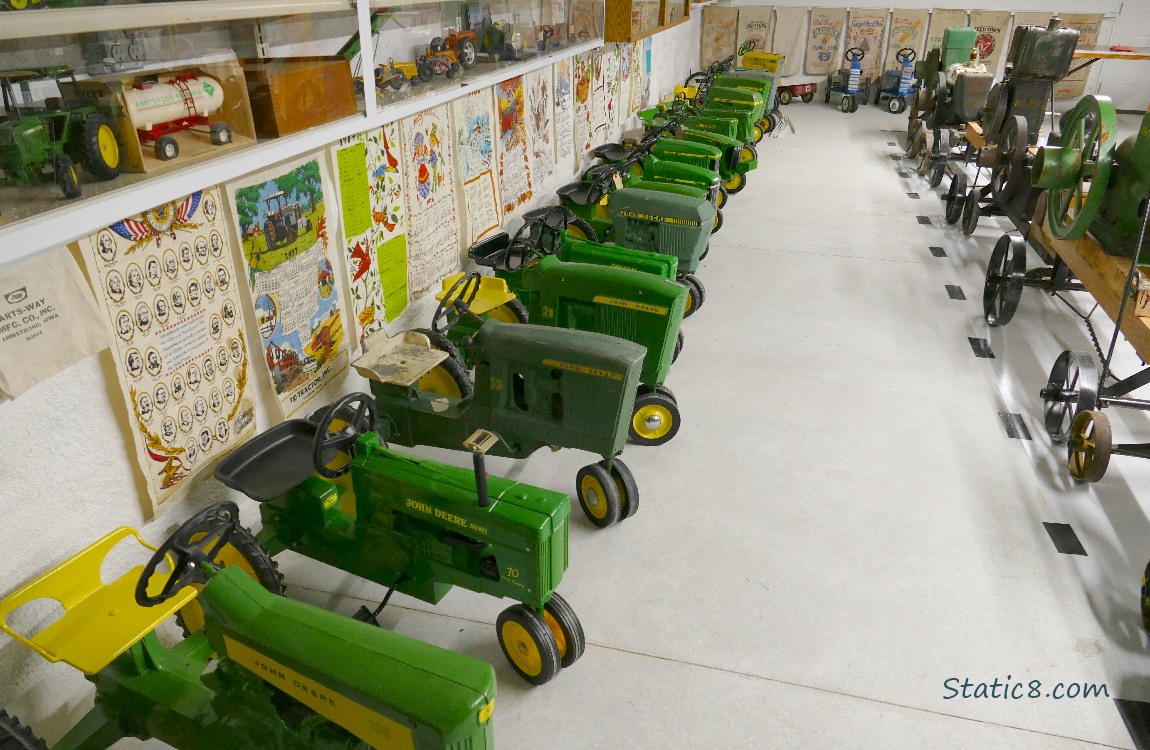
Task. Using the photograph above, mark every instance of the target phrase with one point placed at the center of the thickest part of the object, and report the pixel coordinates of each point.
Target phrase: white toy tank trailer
(160, 108)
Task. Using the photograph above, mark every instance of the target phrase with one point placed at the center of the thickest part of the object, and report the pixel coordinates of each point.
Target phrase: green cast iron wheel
(1079, 165)
(101, 149)
(1088, 448)
(528, 644)
(66, 178)
(598, 495)
(625, 482)
(737, 182)
(565, 628)
(655, 419)
(17, 736)
(242, 550)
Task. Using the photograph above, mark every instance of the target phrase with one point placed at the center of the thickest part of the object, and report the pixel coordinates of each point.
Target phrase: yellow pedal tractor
(263, 672)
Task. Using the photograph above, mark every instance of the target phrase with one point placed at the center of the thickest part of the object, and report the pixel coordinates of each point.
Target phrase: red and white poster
(823, 55)
(991, 43)
(514, 158)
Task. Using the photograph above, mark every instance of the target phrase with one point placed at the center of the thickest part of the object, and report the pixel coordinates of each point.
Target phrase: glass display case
(631, 20)
(103, 94)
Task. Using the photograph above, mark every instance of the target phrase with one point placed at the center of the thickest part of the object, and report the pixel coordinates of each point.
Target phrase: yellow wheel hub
(690, 304)
(440, 381)
(734, 183)
(521, 648)
(503, 314)
(576, 232)
(745, 154)
(593, 496)
(652, 421)
(556, 632)
(109, 149)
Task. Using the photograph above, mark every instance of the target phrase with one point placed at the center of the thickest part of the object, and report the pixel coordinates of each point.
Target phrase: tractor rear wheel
(625, 482)
(528, 644)
(565, 628)
(167, 148)
(785, 96)
(271, 239)
(17, 736)
(101, 150)
(66, 178)
(448, 378)
(511, 311)
(808, 97)
(655, 419)
(244, 551)
(598, 495)
(454, 70)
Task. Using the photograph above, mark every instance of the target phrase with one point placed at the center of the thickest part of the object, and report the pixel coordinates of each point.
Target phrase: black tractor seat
(581, 193)
(611, 151)
(271, 463)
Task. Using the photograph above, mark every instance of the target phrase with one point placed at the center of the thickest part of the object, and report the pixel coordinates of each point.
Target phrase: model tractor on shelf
(159, 109)
(42, 140)
(895, 86)
(415, 525)
(283, 221)
(261, 671)
(449, 57)
(848, 83)
(534, 387)
(803, 91)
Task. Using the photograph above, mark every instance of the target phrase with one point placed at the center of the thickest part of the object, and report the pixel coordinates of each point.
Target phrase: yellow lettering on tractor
(663, 219)
(373, 728)
(630, 305)
(580, 368)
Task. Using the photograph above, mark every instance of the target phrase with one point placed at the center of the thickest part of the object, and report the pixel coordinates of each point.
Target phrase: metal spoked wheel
(939, 151)
(971, 210)
(1071, 388)
(1004, 280)
(1088, 449)
(955, 198)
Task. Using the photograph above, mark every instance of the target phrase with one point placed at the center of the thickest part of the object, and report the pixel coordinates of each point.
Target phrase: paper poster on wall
(564, 117)
(584, 76)
(515, 180)
(720, 29)
(907, 29)
(942, 19)
(1088, 25)
(166, 282)
(623, 106)
(866, 31)
(433, 239)
(48, 321)
(540, 123)
(992, 41)
(755, 27)
(787, 38)
(287, 252)
(598, 98)
(609, 71)
(584, 20)
(473, 117)
(823, 55)
(376, 257)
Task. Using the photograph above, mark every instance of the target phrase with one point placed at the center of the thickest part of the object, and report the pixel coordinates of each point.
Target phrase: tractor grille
(465, 744)
(677, 241)
(618, 322)
(582, 412)
(543, 581)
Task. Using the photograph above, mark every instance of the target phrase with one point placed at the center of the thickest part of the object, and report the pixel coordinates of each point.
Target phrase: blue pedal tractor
(848, 83)
(896, 86)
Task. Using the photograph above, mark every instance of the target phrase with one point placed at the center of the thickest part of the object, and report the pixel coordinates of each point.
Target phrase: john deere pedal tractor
(415, 525)
(264, 672)
(640, 170)
(43, 139)
(534, 387)
(736, 158)
(635, 305)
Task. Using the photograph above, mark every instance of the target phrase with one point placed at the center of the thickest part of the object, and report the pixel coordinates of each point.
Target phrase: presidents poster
(787, 38)
(288, 258)
(515, 180)
(907, 29)
(755, 27)
(433, 239)
(1088, 25)
(720, 29)
(540, 123)
(474, 121)
(991, 43)
(584, 77)
(564, 117)
(942, 19)
(866, 31)
(166, 283)
(375, 226)
(823, 37)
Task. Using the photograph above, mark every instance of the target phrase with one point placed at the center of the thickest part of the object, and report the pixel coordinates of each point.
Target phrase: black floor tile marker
(1014, 426)
(912, 195)
(1136, 715)
(1064, 538)
(891, 143)
(903, 173)
(955, 291)
(937, 251)
(924, 220)
(896, 157)
(981, 348)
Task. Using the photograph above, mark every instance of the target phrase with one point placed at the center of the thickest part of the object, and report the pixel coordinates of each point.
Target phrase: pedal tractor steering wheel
(213, 528)
(905, 55)
(849, 55)
(456, 303)
(331, 443)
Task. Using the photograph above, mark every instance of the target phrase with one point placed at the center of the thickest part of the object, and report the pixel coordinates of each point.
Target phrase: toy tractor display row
(260, 672)
(43, 139)
(848, 83)
(737, 158)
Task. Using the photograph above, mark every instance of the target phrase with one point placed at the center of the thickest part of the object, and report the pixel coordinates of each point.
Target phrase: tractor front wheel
(17, 736)
(271, 238)
(697, 294)
(565, 628)
(454, 70)
(243, 550)
(625, 482)
(722, 199)
(101, 149)
(528, 644)
(655, 419)
(758, 132)
(737, 182)
(599, 495)
(845, 103)
(785, 96)
(718, 223)
(897, 105)
(166, 148)
(66, 178)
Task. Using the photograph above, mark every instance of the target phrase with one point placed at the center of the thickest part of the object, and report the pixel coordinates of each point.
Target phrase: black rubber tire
(266, 573)
(807, 98)
(705, 252)
(827, 92)
(1145, 600)
(454, 70)
(697, 292)
(464, 51)
(678, 347)
(846, 103)
(855, 101)
(612, 503)
(724, 196)
(537, 630)
(457, 371)
(17, 736)
(517, 309)
(166, 148)
(625, 481)
(718, 222)
(94, 160)
(425, 71)
(220, 134)
(583, 226)
(575, 642)
(668, 404)
(441, 342)
(66, 179)
(785, 97)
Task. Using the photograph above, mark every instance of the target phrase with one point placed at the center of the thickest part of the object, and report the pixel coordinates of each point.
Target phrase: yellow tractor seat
(492, 293)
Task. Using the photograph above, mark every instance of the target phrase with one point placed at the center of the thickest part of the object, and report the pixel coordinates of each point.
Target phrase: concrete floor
(842, 524)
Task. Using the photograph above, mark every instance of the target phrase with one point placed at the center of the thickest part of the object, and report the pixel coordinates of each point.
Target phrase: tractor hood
(563, 348)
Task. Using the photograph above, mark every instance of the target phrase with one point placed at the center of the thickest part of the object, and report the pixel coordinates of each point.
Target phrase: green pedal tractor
(736, 157)
(534, 387)
(264, 672)
(415, 525)
(618, 302)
